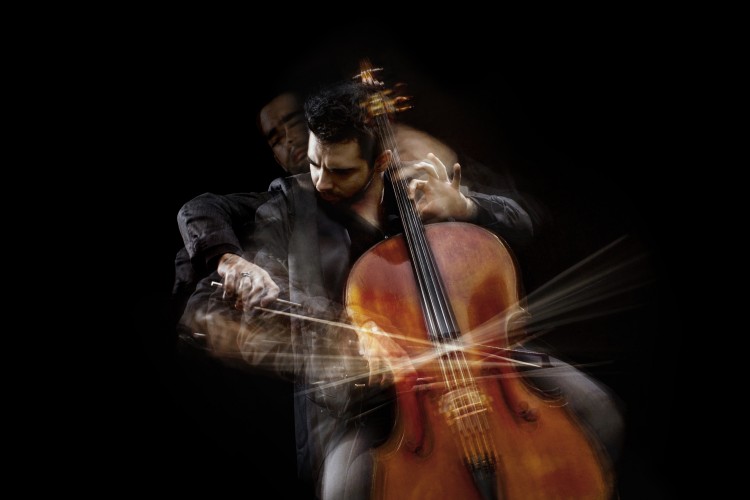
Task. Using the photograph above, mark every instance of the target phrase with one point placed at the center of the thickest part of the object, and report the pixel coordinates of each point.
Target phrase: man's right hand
(250, 284)
(387, 361)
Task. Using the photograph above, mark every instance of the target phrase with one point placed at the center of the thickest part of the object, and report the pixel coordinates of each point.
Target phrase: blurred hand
(438, 198)
(250, 284)
(423, 169)
(388, 362)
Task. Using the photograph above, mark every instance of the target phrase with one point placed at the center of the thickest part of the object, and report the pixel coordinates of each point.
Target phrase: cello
(468, 426)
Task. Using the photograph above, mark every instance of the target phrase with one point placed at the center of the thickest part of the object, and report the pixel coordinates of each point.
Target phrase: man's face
(283, 125)
(338, 170)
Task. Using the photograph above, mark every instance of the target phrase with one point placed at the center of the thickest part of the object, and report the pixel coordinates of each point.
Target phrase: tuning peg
(367, 76)
(401, 103)
(367, 71)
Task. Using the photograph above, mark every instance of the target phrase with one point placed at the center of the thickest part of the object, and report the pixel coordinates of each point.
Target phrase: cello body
(538, 449)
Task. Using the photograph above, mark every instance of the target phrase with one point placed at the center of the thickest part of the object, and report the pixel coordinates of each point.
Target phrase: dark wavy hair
(336, 115)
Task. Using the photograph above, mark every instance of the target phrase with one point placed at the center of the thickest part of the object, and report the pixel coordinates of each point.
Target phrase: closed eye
(342, 171)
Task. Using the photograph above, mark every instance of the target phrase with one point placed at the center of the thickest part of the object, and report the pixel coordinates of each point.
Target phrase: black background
(577, 114)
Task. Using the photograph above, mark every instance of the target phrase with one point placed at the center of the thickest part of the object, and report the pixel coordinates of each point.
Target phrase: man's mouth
(299, 156)
(329, 197)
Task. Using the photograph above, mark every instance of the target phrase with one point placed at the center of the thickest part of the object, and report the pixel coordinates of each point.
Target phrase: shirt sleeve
(212, 225)
(503, 216)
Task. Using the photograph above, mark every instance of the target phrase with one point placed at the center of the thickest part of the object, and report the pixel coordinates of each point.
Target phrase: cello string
(442, 313)
(470, 397)
(419, 249)
(410, 221)
(425, 269)
(468, 394)
(415, 237)
(457, 366)
(411, 227)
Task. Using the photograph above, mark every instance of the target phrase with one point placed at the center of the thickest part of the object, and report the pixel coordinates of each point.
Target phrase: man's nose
(324, 181)
(288, 136)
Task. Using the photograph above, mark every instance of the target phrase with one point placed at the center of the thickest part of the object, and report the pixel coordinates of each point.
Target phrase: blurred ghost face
(282, 123)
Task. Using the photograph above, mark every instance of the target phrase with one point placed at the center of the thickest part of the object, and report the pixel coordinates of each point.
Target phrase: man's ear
(381, 162)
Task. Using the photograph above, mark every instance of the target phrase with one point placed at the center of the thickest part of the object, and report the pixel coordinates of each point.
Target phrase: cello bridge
(464, 406)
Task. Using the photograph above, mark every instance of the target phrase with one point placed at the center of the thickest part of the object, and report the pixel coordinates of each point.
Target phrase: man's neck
(368, 207)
